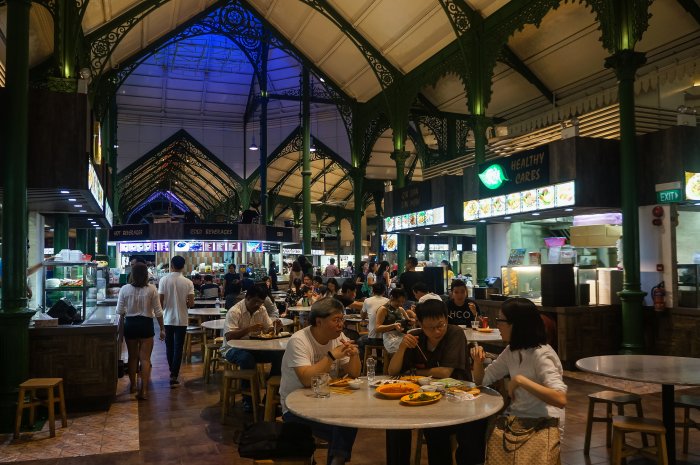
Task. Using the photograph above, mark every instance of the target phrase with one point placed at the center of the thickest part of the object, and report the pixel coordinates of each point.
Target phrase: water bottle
(218, 303)
(371, 365)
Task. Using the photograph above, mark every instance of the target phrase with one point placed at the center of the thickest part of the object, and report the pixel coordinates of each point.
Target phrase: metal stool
(622, 425)
(686, 402)
(610, 398)
(31, 386)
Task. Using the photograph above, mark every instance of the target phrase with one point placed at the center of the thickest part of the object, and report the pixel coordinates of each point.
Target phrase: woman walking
(138, 304)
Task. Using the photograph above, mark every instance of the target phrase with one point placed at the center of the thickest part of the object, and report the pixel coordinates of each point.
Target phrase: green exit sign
(669, 196)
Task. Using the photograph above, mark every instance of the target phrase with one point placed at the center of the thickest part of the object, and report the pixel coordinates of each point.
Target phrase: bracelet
(330, 355)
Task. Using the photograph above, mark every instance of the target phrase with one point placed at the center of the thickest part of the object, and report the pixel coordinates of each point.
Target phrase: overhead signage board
(95, 187)
(412, 198)
(129, 247)
(431, 217)
(531, 200)
(525, 170)
(212, 231)
(669, 196)
(271, 247)
(251, 246)
(390, 242)
(129, 232)
(188, 246)
(692, 186)
(278, 234)
(291, 251)
(108, 214)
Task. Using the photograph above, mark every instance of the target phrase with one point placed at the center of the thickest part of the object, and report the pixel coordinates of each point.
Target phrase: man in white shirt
(176, 296)
(332, 271)
(246, 317)
(321, 348)
(422, 293)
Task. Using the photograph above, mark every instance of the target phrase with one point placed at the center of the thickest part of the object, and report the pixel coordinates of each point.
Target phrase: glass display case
(74, 281)
(523, 281)
(688, 286)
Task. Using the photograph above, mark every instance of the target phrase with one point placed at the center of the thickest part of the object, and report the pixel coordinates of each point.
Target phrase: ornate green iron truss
(622, 22)
(105, 39)
(386, 73)
(438, 127)
(463, 129)
(375, 128)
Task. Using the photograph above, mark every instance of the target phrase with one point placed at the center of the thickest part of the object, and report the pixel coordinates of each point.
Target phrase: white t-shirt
(175, 287)
(371, 278)
(370, 306)
(238, 317)
(139, 301)
(541, 365)
(303, 350)
(429, 296)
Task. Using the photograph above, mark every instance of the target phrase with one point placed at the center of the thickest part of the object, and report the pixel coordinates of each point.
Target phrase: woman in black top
(272, 273)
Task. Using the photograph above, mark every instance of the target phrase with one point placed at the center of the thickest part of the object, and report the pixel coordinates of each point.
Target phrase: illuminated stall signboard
(692, 186)
(95, 187)
(541, 198)
(158, 246)
(390, 242)
(419, 219)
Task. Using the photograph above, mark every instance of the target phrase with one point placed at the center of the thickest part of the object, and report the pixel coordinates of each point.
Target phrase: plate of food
(340, 382)
(471, 210)
(484, 208)
(692, 186)
(529, 200)
(565, 194)
(412, 378)
(513, 203)
(485, 330)
(382, 382)
(498, 205)
(397, 390)
(545, 197)
(267, 336)
(469, 390)
(421, 398)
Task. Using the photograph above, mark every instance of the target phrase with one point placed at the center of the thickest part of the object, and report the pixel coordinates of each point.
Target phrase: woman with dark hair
(272, 273)
(536, 386)
(294, 293)
(383, 274)
(138, 303)
(295, 274)
(332, 286)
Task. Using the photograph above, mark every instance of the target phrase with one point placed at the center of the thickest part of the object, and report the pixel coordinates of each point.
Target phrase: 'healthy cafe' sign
(519, 172)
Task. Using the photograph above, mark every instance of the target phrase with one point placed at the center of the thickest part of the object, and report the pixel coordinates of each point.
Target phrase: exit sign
(669, 196)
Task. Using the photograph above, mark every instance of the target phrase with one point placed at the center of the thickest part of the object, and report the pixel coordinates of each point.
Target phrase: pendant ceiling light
(253, 147)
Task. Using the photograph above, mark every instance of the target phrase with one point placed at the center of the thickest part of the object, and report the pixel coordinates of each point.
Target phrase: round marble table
(266, 345)
(214, 324)
(363, 409)
(207, 311)
(298, 309)
(660, 369)
(479, 336)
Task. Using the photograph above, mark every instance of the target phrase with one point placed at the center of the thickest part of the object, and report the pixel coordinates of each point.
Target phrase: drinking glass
(371, 365)
(320, 385)
(475, 324)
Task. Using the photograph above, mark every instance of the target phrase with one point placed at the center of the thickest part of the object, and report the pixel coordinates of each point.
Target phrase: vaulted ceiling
(546, 73)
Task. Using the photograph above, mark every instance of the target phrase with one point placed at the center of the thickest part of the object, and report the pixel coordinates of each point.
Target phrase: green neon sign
(493, 176)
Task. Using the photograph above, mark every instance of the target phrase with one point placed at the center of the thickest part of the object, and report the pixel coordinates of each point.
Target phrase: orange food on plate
(395, 391)
(340, 382)
(485, 330)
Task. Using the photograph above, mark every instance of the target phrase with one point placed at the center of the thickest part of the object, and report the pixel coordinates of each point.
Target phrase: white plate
(382, 382)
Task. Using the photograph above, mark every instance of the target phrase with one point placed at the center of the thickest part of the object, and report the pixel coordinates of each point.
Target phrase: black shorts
(138, 327)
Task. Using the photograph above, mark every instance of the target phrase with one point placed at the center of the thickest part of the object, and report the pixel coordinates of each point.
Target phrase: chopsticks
(421, 352)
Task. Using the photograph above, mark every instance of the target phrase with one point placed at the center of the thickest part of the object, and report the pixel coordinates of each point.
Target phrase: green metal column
(60, 232)
(480, 125)
(112, 254)
(400, 156)
(358, 177)
(102, 242)
(625, 63)
(263, 131)
(14, 317)
(90, 249)
(81, 239)
(306, 163)
(113, 153)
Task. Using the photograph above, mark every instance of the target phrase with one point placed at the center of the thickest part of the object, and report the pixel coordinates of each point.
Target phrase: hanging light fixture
(253, 147)
(312, 149)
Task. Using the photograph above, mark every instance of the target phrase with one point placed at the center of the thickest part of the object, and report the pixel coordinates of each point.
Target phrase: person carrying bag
(530, 431)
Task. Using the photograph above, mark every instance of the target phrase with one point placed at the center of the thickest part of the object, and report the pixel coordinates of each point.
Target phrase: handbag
(272, 440)
(523, 441)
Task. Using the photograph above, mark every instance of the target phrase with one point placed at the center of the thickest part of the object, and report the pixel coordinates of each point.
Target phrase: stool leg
(32, 407)
(270, 403)
(661, 453)
(589, 427)
(608, 424)
(686, 426)
(225, 398)
(62, 405)
(640, 414)
(20, 409)
(207, 362)
(52, 414)
(255, 396)
(617, 442)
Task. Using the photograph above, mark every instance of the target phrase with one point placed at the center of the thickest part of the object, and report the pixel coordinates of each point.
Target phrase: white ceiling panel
(669, 21)
(510, 89)
(486, 7)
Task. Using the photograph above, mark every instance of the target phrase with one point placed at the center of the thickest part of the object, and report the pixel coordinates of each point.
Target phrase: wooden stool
(369, 348)
(686, 402)
(231, 385)
(31, 386)
(194, 335)
(610, 398)
(212, 358)
(623, 425)
(272, 398)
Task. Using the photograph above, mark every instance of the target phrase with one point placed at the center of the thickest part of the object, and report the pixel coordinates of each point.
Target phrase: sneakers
(174, 382)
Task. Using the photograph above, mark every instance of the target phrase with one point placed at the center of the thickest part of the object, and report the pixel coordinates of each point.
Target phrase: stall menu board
(95, 187)
(517, 256)
(160, 246)
(415, 220)
(542, 198)
(390, 242)
(188, 246)
(108, 214)
(692, 186)
(233, 247)
(253, 247)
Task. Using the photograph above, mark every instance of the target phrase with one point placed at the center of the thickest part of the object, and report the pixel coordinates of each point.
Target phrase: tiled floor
(181, 426)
